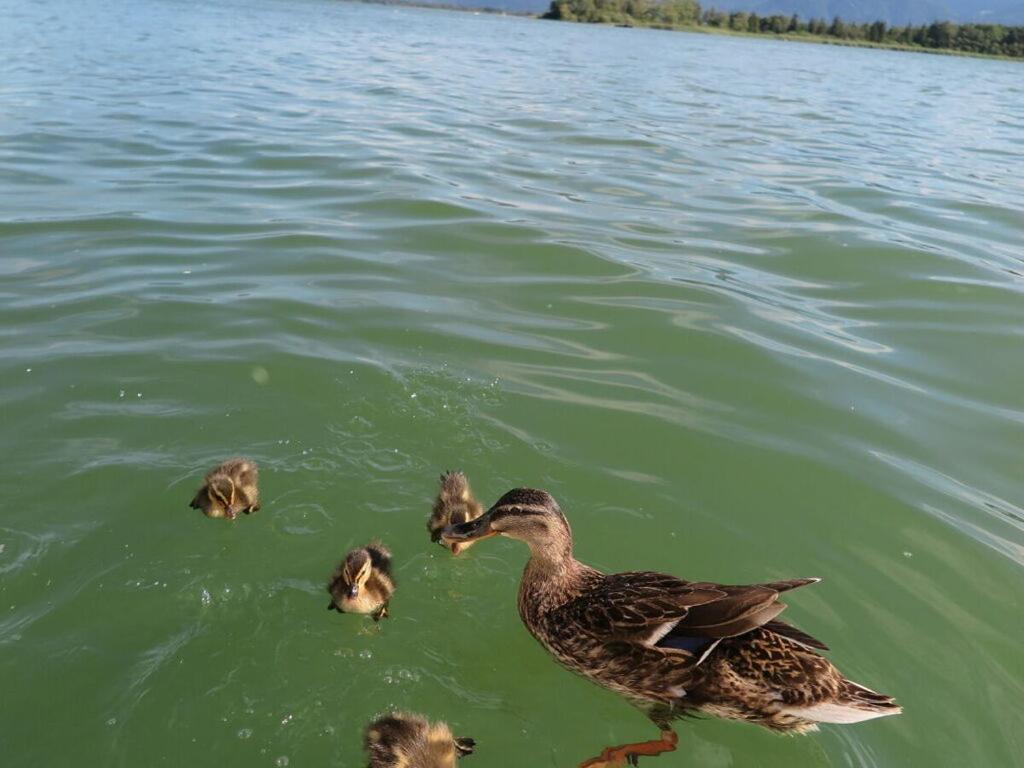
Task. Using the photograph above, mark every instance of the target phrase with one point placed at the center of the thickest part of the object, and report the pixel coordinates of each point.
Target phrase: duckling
(362, 582)
(228, 489)
(672, 647)
(402, 740)
(454, 504)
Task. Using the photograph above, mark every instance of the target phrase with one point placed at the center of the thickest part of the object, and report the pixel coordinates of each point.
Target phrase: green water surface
(749, 310)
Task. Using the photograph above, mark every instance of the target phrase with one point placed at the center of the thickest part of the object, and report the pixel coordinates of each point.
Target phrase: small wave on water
(1001, 523)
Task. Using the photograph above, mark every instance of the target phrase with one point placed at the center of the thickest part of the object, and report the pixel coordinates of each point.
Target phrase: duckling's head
(526, 514)
(355, 571)
(454, 505)
(464, 745)
(216, 497)
(401, 738)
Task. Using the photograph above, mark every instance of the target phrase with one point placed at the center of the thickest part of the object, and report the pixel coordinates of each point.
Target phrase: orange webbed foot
(631, 753)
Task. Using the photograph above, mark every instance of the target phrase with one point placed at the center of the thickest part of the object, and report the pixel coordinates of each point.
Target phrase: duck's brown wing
(652, 608)
(741, 609)
(780, 627)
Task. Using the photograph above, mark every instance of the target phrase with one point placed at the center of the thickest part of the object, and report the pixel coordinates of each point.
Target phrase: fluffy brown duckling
(228, 489)
(402, 740)
(454, 504)
(362, 582)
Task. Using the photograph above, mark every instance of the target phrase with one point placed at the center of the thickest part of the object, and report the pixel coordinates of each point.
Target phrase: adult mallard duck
(362, 583)
(229, 488)
(454, 504)
(401, 740)
(672, 647)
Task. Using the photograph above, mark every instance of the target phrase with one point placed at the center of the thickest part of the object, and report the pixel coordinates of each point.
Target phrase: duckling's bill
(456, 547)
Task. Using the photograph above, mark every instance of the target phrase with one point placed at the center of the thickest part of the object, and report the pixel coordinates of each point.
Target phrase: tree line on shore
(993, 39)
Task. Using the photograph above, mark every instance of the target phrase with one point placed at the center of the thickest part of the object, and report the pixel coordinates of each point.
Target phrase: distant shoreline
(450, 7)
(797, 38)
(701, 29)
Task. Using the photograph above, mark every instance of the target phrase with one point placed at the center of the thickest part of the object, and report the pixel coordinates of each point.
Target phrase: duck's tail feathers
(853, 704)
(788, 584)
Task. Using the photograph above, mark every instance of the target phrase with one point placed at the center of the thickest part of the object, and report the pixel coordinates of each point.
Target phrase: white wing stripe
(660, 631)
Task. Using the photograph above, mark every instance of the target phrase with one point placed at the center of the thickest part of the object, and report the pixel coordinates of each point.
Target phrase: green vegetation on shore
(941, 36)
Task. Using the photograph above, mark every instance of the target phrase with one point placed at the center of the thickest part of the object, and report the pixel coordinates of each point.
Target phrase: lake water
(748, 309)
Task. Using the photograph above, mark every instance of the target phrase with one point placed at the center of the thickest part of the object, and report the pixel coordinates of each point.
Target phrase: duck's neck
(552, 577)
(551, 555)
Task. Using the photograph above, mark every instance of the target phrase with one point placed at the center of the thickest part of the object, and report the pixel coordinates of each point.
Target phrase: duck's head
(526, 514)
(355, 571)
(454, 505)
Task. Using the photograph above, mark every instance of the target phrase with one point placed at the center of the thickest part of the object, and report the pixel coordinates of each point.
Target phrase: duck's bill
(464, 534)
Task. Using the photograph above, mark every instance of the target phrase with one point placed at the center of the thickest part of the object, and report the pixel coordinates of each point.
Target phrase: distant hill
(890, 11)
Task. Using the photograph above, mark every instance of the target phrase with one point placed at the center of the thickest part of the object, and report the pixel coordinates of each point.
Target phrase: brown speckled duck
(401, 740)
(362, 582)
(228, 489)
(672, 647)
(454, 504)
